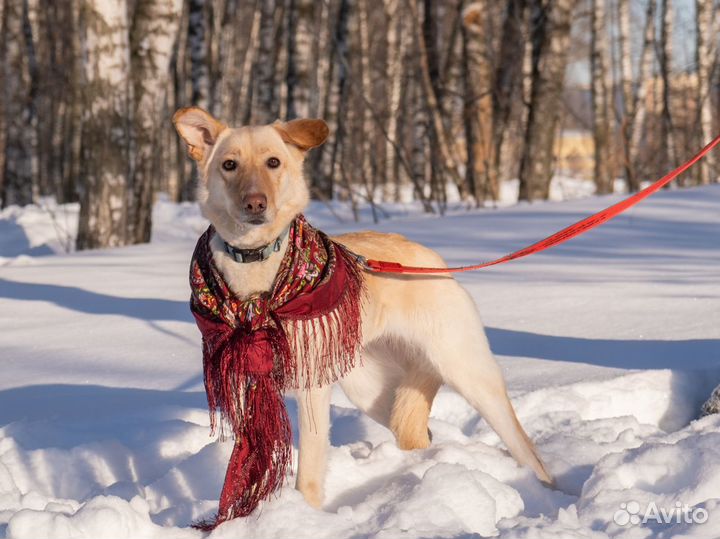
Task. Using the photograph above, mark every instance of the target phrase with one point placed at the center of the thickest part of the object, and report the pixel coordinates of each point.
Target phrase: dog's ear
(198, 129)
(303, 134)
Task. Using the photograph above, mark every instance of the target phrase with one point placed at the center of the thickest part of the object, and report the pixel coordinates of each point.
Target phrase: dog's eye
(229, 164)
(273, 162)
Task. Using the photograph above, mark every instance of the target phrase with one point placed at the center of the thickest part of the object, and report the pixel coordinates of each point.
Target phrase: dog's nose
(255, 203)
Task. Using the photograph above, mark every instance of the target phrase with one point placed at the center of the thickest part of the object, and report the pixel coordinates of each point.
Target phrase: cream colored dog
(418, 332)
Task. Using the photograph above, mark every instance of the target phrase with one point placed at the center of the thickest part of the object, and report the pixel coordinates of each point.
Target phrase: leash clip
(362, 261)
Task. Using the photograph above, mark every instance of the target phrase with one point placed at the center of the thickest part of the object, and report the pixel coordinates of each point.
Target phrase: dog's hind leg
(412, 395)
(411, 409)
(455, 343)
(474, 374)
(314, 426)
(395, 388)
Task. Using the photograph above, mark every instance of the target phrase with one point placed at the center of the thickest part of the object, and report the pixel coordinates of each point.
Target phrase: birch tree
(634, 88)
(478, 103)
(103, 201)
(668, 128)
(508, 77)
(181, 185)
(31, 33)
(153, 34)
(197, 42)
(600, 91)
(322, 55)
(366, 119)
(705, 59)
(428, 73)
(550, 36)
(332, 105)
(301, 25)
(419, 152)
(20, 136)
(337, 106)
(397, 43)
(224, 26)
(265, 108)
(625, 60)
(244, 90)
(72, 134)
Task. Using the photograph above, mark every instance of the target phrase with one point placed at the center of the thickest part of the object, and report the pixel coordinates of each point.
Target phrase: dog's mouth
(256, 221)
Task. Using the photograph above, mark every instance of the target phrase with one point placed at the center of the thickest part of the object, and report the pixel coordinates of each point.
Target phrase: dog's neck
(247, 279)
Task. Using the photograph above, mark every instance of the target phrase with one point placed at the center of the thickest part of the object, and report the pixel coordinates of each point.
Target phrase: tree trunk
(706, 55)
(323, 159)
(419, 152)
(627, 91)
(31, 32)
(197, 41)
(224, 27)
(322, 55)
(227, 73)
(428, 73)
(637, 121)
(481, 171)
(626, 58)
(397, 45)
(300, 38)
(280, 63)
(550, 34)
(668, 129)
(184, 186)
(243, 105)
(19, 88)
(153, 34)
(634, 89)
(600, 98)
(103, 202)
(51, 89)
(266, 107)
(366, 121)
(338, 101)
(507, 81)
(72, 177)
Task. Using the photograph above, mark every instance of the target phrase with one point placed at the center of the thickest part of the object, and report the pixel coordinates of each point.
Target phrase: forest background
(427, 100)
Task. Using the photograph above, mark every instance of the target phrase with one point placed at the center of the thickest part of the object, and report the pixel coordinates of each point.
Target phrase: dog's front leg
(314, 423)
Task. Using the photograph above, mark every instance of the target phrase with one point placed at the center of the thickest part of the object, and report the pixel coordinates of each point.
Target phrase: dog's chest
(245, 280)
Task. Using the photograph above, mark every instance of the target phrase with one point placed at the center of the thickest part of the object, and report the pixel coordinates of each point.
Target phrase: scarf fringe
(231, 377)
(264, 455)
(326, 348)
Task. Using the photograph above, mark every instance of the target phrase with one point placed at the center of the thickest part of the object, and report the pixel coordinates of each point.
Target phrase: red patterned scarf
(304, 333)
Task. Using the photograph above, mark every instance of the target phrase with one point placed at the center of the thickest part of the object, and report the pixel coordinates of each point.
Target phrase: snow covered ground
(609, 344)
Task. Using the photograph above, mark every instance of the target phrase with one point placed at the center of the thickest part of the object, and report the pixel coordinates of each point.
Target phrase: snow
(609, 344)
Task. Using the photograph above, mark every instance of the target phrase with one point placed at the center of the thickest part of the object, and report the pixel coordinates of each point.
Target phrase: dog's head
(251, 178)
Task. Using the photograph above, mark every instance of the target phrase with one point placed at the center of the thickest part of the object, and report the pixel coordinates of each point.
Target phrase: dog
(418, 332)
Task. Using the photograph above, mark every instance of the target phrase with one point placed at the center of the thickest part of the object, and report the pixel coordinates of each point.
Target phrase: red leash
(379, 266)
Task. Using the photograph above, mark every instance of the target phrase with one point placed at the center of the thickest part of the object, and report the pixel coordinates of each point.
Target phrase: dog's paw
(407, 441)
(312, 492)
